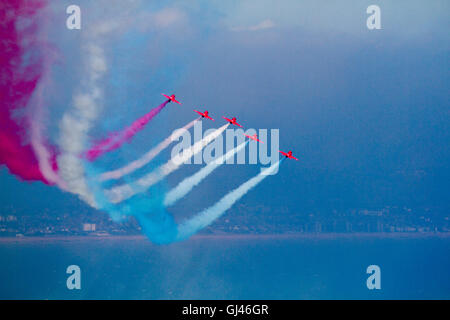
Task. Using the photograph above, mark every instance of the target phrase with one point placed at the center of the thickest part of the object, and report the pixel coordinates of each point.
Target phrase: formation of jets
(205, 114)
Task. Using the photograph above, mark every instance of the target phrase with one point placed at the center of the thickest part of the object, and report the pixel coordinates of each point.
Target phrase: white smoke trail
(40, 148)
(38, 113)
(185, 186)
(76, 123)
(123, 192)
(146, 158)
(207, 216)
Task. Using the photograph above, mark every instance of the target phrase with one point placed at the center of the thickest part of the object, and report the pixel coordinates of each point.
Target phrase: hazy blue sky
(366, 111)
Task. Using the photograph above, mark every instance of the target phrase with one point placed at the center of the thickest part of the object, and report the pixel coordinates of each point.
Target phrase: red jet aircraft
(232, 121)
(204, 114)
(288, 155)
(253, 137)
(171, 98)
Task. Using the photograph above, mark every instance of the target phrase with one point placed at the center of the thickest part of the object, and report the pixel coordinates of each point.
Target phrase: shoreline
(312, 236)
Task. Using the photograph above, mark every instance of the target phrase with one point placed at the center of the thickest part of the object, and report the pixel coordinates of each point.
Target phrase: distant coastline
(318, 236)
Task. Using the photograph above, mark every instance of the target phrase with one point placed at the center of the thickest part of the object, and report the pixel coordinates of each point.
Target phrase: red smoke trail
(119, 138)
(21, 68)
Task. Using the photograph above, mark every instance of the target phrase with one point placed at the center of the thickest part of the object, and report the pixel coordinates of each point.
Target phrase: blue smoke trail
(185, 186)
(156, 223)
(146, 158)
(122, 192)
(207, 216)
